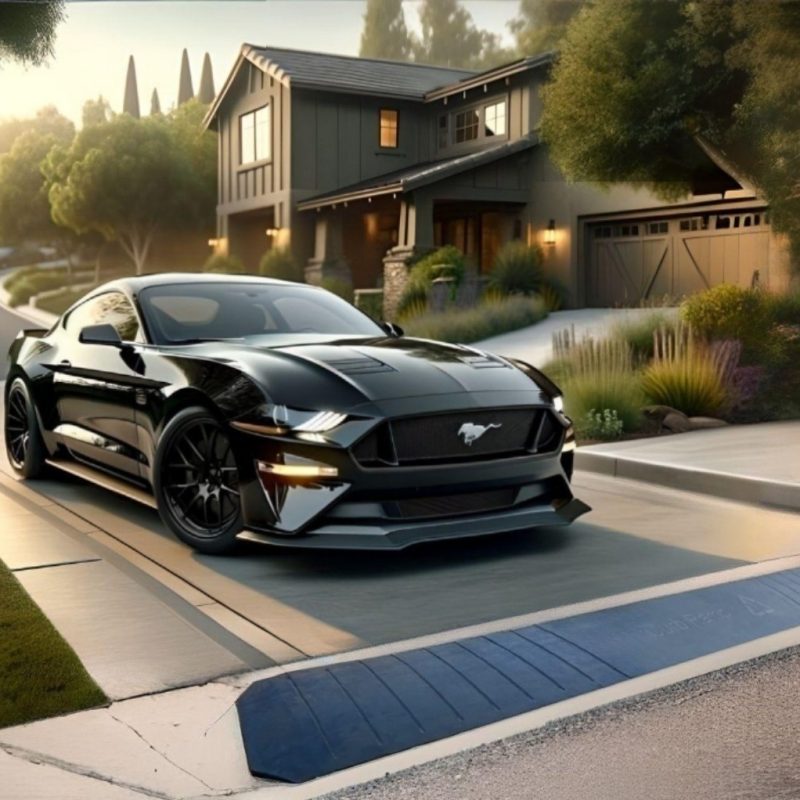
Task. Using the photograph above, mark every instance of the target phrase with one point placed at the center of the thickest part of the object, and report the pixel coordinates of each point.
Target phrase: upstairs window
(467, 123)
(389, 127)
(254, 136)
(494, 119)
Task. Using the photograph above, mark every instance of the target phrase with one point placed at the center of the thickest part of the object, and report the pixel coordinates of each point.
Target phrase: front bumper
(398, 536)
(353, 505)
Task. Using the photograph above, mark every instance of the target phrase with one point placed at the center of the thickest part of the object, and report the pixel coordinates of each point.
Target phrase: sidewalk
(757, 464)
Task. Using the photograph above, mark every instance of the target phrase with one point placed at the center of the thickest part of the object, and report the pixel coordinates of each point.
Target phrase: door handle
(66, 363)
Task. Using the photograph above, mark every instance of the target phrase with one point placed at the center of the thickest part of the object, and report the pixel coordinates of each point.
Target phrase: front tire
(24, 446)
(196, 481)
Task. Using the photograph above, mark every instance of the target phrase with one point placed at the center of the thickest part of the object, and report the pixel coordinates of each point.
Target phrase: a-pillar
(327, 261)
(414, 238)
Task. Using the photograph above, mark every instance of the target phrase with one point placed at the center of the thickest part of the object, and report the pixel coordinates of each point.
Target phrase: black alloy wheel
(197, 482)
(24, 444)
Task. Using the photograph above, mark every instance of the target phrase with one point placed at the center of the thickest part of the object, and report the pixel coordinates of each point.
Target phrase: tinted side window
(111, 308)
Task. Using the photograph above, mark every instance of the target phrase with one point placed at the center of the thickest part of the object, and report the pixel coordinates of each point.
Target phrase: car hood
(351, 372)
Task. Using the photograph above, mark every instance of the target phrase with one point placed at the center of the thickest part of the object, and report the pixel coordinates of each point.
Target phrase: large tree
(28, 30)
(385, 34)
(450, 38)
(96, 112)
(541, 24)
(47, 120)
(131, 179)
(641, 82)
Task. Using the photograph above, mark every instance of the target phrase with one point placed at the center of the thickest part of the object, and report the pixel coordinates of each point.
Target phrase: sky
(94, 42)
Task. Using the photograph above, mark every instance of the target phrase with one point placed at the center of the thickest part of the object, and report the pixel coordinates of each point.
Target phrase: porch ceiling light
(550, 233)
(272, 231)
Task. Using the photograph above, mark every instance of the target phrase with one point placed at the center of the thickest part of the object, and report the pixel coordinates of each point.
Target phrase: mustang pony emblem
(472, 432)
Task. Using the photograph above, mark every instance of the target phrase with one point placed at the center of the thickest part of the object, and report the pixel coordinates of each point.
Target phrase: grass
(40, 675)
(598, 377)
(638, 332)
(25, 283)
(493, 316)
(59, 303)
(688, 375)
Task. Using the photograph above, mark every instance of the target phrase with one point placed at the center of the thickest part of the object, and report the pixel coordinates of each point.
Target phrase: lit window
(254, 132)
(467, 126)
(494, 119)
(388, 132)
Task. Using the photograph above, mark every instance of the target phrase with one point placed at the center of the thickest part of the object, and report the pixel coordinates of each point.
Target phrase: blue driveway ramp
(305, 724)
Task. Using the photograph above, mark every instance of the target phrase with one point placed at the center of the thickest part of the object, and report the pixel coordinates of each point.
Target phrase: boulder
(676, 422)
(701, 423)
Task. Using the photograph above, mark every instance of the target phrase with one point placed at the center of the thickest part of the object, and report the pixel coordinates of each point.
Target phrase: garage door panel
(753, 255)
(658, 265)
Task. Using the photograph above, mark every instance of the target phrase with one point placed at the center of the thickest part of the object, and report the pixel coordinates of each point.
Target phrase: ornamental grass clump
(689, 375)
(600, 375)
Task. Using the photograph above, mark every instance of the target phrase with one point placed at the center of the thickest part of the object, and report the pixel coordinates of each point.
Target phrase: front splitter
(399, 535)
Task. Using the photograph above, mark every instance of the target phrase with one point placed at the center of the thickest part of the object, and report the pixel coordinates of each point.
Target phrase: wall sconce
(213, 242)
(271, 232)
(550, 233)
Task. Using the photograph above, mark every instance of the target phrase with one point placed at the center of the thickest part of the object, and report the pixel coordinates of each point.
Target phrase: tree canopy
(385, 34)
(47, 120)
(129, 179)
(28, 30)
(541, 24)
(639, 82)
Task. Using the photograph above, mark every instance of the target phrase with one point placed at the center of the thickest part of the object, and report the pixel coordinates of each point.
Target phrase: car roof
(135, 283)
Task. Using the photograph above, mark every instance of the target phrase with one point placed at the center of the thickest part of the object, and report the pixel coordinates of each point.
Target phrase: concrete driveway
(535, 344)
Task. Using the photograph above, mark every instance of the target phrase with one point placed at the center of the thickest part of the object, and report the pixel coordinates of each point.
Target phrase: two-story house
(356, 164)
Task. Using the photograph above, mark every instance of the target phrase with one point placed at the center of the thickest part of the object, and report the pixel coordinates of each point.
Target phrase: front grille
(451, 504)
(460, 436)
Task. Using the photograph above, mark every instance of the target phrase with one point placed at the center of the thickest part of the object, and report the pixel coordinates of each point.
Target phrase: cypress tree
(130, 104)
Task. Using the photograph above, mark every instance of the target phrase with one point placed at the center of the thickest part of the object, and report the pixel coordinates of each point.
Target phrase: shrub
(518, 269)
(638, 331)
(489, 318)
(446, 262)
(371, 304)
(33, 282)
(604, 424)
(600, 374)
(226, 265)
(278, 262)
(339, 287)
(688, 375)
(729, 312)
(413, 302)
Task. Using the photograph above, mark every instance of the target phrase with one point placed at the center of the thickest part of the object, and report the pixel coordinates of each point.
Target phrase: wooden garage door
(634, 261)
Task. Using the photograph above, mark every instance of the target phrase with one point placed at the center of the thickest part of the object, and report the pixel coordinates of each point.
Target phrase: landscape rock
(701, 423)
(676, 422)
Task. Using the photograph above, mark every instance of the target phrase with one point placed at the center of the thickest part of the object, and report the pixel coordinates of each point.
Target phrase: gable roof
(368, 76)
(350, 74)
(405, 180)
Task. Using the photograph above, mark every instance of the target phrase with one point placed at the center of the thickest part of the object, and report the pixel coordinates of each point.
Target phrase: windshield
(185, 313)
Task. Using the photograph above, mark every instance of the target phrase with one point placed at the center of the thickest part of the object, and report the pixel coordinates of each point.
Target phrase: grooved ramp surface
(311, 722)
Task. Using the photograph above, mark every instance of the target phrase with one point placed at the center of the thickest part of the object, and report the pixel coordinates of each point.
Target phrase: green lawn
(40, 675)
(59, 303)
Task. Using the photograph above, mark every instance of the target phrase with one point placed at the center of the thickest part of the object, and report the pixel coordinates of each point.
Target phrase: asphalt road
(730, 734)
(323, 602)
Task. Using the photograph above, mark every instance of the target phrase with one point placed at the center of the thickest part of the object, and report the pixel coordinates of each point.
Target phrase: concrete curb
(776, 494)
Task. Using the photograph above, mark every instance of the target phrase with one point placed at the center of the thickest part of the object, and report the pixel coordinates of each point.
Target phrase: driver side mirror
(100, 334)
(393, 329)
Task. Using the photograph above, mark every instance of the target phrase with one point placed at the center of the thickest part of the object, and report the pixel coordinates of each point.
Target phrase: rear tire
(24, 446)
(196, 482)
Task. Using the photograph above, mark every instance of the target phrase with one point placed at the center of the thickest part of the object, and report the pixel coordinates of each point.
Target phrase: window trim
(270, 143)
(481, 139)
(396, 112)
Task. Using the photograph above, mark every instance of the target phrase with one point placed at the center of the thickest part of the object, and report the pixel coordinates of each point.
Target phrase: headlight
(558, 403)
(274, 420)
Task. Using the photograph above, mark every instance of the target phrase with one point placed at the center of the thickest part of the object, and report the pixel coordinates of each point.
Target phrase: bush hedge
(339, 287)
(518, 269)
(278, 262)
(224, 265)
(446, 262)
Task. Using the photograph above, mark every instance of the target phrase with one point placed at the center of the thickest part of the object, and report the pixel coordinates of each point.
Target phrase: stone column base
(395, 276)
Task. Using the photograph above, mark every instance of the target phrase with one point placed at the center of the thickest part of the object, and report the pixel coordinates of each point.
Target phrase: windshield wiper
(203, 340)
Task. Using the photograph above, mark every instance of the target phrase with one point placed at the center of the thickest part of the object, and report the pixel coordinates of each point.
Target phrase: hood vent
(483, 361)
(359, 365)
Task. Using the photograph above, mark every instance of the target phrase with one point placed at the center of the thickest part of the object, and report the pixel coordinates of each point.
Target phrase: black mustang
(277, 412)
